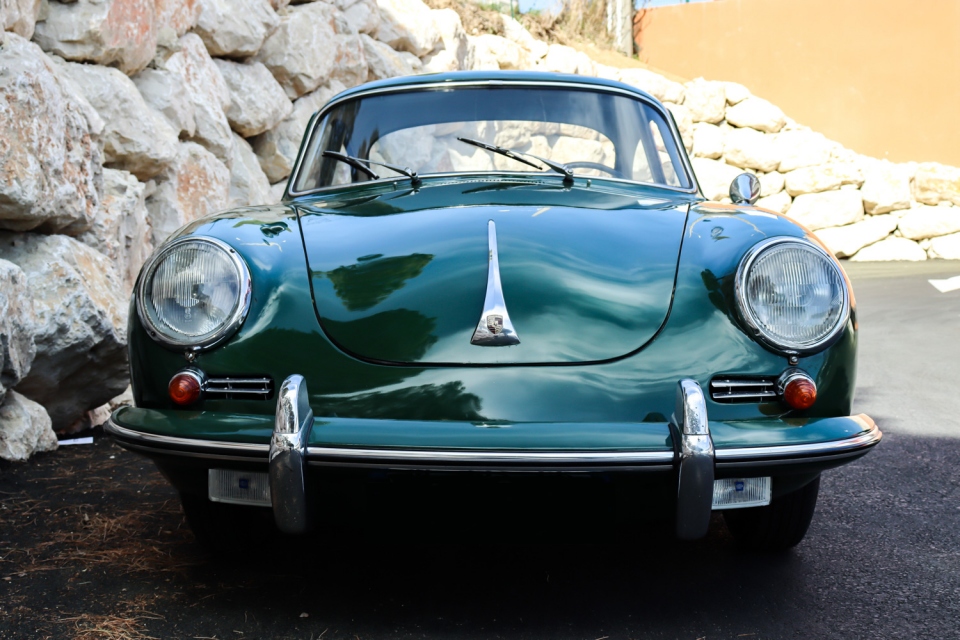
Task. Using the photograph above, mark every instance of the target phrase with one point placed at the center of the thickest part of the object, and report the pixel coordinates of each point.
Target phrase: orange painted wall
(880, 76)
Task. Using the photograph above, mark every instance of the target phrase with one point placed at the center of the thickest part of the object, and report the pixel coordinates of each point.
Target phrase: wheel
(226, 529)
(778, 526)
(584, 164)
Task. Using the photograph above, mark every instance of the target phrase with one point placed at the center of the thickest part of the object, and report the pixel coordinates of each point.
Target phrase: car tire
(226, 530)
(778, 526)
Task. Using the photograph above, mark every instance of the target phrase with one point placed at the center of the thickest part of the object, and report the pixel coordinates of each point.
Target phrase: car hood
(399, 276)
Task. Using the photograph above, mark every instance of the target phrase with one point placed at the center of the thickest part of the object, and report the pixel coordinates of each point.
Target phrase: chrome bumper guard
(695, 482)
(288, 456)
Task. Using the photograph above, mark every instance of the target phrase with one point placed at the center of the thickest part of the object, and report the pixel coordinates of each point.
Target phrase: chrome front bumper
(696, 459)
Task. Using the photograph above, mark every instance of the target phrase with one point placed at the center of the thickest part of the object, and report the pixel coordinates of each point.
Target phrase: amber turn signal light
(798, 389)
(185, 388)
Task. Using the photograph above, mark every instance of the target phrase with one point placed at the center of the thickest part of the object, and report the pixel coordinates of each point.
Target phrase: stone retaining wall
(124, 119)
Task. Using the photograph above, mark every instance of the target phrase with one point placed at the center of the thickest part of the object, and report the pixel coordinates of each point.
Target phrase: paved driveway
(92, 544)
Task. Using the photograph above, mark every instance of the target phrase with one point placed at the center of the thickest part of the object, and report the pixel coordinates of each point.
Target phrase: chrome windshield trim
(636, 94)
(213, 446)
(864, 440)
(450, 455)
(495, 328)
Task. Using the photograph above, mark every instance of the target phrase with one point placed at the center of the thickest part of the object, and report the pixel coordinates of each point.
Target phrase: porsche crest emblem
(495, 324)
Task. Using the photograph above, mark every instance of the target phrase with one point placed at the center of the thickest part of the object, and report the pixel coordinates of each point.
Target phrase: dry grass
(127, 624)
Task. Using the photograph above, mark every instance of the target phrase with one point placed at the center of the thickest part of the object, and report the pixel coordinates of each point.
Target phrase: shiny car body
(448, 307)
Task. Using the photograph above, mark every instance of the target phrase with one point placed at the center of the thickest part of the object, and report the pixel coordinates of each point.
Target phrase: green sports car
(496, 275)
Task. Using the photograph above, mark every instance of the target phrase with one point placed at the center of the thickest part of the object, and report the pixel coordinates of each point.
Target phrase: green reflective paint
(587, 273)
(701, 336)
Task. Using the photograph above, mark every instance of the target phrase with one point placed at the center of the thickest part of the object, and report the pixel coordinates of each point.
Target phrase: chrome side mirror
(745, 188)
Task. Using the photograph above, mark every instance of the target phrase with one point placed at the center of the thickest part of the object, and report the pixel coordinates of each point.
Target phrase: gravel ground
(93, 545)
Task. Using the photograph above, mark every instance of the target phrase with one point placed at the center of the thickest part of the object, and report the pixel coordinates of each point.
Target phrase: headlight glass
(793, 294)
(194, 293)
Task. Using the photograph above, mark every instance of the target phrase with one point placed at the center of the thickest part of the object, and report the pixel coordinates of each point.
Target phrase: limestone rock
(257, 101)
(653, 83)
(210, 97)
(585, 65)
(24, 428)
(929, 222)
(248, 183)
(735, 93)
(758, 114)
(235, 28)
(81, 359)
(50, 178)
(822, 178)
(559, 59)
(886, 187)
(178, 15)
(17, 325)
(802, 148)
(507, 53)
(350, 65)
(684, 123)
(277, 191)
(847, 240)
(407, 25)
(750, 149)
(455, 43)
(440, 62)
(707, 101)
(277, 148)
(120, 33)
(195, 184)
(607, 72)
(936, 182)
(513, 30)
(770, 183)
(384, 62)
(707, 140)
(362, 16)
(136, 138)
(893, 248)
(945, 247)
(714, 177)
(121, 230)
(827, 209)
(19, 16)
(301, 52)
(779, 202)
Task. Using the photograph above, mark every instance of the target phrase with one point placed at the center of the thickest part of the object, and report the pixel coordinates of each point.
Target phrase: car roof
(532, 77)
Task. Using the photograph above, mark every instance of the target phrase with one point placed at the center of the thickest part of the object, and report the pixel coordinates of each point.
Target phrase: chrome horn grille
(731, 389)
(239, 388)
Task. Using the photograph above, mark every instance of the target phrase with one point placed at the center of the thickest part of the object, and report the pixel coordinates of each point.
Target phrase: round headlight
(194, 293)
(792, 294)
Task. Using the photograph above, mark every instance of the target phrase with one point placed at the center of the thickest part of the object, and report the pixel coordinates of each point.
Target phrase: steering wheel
(584, 164)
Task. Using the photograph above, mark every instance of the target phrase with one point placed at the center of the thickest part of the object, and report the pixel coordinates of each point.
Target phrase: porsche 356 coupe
(497, 273)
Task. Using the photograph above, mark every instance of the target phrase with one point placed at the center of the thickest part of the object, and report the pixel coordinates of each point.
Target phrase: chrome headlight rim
(755, 328)
(234, 321)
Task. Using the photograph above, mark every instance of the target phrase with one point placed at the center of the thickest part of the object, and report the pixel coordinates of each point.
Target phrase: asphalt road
(92, 544)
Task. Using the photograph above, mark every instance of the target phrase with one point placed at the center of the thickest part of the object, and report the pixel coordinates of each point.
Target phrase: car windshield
(435, 131)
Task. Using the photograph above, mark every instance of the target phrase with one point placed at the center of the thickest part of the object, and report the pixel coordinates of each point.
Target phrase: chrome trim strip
(868, 438)
(218, 381)
(495, 328)
(215, 446)
(287, 458)
(231, 392)
(740, 284)
(450, 455)
(233, 322)
(634, 93)
(695, 480)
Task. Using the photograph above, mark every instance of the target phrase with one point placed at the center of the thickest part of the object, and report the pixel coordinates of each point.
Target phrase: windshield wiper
(515, 155)
(361, 165)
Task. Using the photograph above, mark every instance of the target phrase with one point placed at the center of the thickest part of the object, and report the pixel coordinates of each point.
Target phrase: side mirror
(745, 188)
